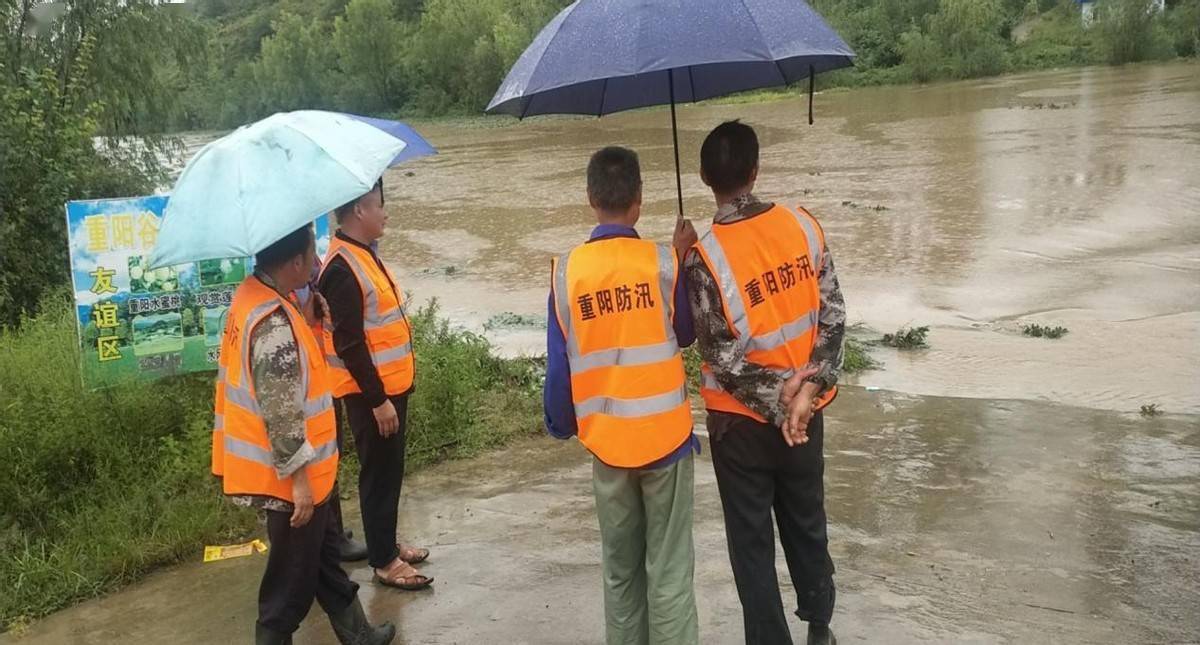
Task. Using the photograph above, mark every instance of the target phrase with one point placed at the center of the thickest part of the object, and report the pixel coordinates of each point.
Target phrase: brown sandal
(413, 582)
(412, 554)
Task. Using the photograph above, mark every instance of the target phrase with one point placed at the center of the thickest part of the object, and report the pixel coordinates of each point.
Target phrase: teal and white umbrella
(250, 188)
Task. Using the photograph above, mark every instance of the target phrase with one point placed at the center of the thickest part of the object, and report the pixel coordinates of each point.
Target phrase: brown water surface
(1067, 198)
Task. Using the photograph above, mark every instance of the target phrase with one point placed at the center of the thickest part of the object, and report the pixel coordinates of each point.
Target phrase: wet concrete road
(951, 521)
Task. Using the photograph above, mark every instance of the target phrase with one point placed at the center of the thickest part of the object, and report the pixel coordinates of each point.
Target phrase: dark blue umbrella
(604, 56)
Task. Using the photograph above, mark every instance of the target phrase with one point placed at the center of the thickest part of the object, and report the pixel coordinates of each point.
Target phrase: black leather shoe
(352, 550)
(820, 635)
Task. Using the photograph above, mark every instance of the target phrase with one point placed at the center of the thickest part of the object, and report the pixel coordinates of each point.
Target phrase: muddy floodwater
(993, 488)
(1069, 198)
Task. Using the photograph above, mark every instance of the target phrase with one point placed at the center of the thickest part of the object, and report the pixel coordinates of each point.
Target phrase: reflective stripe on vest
(379, 358)
(631, 408)
(768, 343)
(388, 336)
(250, 452)
(372, 319)
(625, 422)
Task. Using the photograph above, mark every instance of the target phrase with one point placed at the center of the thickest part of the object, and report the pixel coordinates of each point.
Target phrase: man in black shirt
(371, 358)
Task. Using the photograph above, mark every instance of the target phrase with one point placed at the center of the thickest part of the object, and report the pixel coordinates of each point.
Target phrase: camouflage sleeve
(275, 368)
(753, 386)
(831, 326)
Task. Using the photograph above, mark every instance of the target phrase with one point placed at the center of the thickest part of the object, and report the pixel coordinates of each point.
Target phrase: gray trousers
(648, 555)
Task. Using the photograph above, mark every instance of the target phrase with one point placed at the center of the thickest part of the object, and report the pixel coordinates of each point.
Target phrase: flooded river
(1067, 198)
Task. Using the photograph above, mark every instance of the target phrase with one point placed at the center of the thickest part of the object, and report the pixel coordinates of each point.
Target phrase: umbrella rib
(241, 201)
(603, 95)
(692, 83)
(782, 77)
(759, 28)
(536, 66)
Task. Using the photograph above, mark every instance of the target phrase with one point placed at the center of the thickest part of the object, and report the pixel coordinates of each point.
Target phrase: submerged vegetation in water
(510, 320)
(907, 338)
(1039, 331)
(857, 357)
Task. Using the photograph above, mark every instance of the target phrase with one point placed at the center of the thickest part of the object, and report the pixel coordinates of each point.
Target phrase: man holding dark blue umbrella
(769, 320)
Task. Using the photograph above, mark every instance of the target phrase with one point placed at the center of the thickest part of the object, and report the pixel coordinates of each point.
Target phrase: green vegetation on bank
(900, 41)
(48, 155)
(102, 486)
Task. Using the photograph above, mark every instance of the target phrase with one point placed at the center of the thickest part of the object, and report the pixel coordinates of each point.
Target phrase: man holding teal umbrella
(281, 458)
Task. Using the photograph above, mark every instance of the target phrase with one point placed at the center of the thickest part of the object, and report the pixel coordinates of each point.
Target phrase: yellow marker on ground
(215, 553)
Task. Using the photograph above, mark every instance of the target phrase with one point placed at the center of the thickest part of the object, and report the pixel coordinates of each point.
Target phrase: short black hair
(729, 156)
(614, 178)
(342, 211)
(292, 244)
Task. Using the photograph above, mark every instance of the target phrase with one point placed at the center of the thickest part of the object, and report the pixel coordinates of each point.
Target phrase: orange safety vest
(389, 336)
(613, 300)
(241, 453)
(767, 268)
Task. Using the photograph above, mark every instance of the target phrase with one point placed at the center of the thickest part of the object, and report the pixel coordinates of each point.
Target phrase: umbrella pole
(812, 83)
(675, 139)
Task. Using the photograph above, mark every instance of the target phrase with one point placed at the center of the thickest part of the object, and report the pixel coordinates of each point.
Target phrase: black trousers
(302, 564)
(335, 498)
(380, 477)
(758, 473)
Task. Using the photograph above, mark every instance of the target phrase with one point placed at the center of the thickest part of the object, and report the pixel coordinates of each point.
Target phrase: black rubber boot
(352, 628)
(820, 635)
(352, 550)
(264, 636)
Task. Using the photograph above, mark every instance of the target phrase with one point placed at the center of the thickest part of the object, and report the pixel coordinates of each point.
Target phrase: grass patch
(907, 338)
(101, 487)
(1151, 410)
(1039, 331)
(467, 399)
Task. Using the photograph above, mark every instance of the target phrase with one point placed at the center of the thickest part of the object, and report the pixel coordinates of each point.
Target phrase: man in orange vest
(275, 448)
(369, 351)
(615, 379)
(769, 318)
